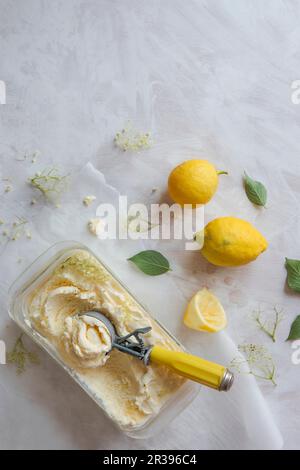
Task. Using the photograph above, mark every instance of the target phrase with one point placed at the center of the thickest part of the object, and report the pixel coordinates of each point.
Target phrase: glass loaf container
(36, 275)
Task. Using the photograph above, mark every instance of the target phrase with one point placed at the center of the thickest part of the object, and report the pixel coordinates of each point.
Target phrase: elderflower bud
(95, 226)
(130, 139)
(87, 200)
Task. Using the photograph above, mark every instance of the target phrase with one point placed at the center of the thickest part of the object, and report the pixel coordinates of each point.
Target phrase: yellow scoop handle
(193, 367)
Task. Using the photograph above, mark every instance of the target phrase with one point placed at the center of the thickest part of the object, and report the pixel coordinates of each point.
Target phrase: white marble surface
(208, 78)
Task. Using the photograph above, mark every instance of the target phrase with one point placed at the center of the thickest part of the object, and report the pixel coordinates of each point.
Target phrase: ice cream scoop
(187, 365)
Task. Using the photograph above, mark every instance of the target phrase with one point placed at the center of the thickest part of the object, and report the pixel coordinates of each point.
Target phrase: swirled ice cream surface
(130, 392)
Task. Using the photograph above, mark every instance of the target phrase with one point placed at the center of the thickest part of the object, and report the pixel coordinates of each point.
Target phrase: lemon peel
(193, 182)
(230, 241)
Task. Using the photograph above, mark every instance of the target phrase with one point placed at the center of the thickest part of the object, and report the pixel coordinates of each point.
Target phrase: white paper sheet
(234, 420)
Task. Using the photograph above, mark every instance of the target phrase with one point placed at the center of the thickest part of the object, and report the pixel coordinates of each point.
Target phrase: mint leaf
(295, 329)
(293, 273)
(151, 262)
(256, 191)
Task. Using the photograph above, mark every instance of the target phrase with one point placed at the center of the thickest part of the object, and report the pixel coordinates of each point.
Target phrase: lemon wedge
(205, 313)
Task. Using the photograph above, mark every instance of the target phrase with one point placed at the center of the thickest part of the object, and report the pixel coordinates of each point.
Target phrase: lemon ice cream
(131, 393)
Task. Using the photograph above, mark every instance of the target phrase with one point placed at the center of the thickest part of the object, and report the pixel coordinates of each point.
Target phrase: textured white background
(208, 78)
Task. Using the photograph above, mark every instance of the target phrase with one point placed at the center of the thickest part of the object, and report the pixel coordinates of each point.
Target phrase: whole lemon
(193, 182)
(230, 241)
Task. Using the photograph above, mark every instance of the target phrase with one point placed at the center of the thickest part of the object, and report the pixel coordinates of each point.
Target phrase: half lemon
(205, 312)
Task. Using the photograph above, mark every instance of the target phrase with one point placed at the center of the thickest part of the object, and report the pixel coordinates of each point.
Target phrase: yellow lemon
(193, 182)
(229, 241)
(205, 313)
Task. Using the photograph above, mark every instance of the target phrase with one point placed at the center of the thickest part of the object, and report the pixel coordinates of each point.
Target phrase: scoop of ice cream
(87, 339)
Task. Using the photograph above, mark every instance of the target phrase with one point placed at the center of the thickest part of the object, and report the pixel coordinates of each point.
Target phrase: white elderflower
(50, 183)
(8, 188)
(87, 200)
(131, 139)
(256, 360)
(95, 226)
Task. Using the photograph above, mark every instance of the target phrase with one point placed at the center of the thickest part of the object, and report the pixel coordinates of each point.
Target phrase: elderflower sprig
(32, 156)
(268, 325)
(256, 360)
(131, 139)
(50, 183)
(8, 185)
(19, 356)
(18, 229)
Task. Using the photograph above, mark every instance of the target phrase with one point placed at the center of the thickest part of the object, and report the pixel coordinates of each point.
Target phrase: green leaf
(293, 273)
(151, 262)
(295, 329)
(256, 192)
